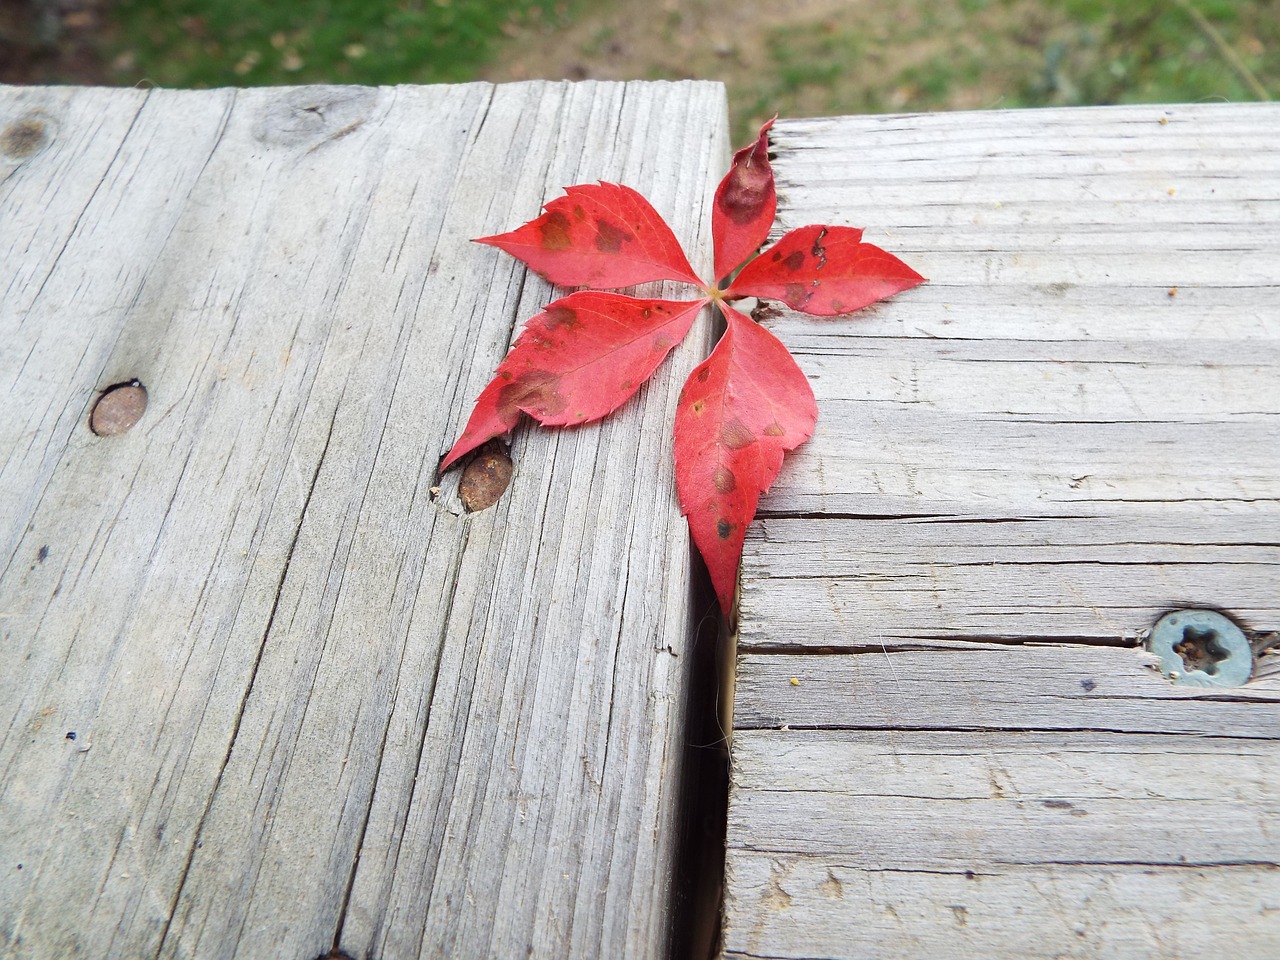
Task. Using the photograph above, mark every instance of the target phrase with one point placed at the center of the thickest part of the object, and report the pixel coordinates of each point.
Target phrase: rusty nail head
(118, 408)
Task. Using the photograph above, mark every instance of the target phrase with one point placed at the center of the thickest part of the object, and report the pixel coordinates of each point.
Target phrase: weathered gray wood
(316, 705)
(1055, 912)
(990, 687)
(952, 800)
(860, 581)
(946, 743)
(1046, 362)
(1037, 845)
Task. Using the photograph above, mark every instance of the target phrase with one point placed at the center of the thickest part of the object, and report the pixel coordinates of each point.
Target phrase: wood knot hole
(485, 478)
(118, 408)
(23, 138)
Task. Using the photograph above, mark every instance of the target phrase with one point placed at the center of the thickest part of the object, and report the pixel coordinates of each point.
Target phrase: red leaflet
(599, 235)
(577, 361)
(744, 206)
(740, 410)
(746, 404)
(824, 271)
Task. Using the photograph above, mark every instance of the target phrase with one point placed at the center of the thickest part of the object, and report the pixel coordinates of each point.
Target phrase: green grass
(869, 57)
(1017, 53)
(205, 43)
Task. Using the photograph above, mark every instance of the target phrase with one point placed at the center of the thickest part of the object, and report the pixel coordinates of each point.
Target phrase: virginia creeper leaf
(745, 203)
(746, 404)
(824, 271)
(598, 235)
(739, 411)
(577, 361)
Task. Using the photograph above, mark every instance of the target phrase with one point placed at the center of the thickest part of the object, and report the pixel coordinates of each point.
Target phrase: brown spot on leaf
(703, 374)
(735, 435)
(118, 409)
(555, 232)
(627, 384)
(794, 294)
(662, 343)
(610, 238)
(559, 316)
(723, 528)
(534, 390)
(746, 188)
(485, 479)
(698, 407)
(819, 251)
(578, 212)
(794, 261)
(774, 430)
(724, 480)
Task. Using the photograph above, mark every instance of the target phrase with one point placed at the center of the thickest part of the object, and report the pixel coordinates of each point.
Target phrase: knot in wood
(23, 138)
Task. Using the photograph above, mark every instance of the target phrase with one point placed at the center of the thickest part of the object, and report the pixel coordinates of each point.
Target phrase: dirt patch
(825, 57)
(671, 40)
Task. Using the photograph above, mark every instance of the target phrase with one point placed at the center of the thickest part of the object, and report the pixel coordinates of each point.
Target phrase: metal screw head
(1201, 648)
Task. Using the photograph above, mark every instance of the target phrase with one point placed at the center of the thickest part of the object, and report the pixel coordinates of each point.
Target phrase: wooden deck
(265, 691)
(947, 741)
(269, 692)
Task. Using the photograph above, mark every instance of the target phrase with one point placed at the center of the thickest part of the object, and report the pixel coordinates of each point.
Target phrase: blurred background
(794, 57)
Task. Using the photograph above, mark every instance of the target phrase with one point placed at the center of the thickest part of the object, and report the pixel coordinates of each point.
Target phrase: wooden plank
(1040, 687)
(1061, 911)
(315, 704)
(1082, 335)
(953, 800)
(856, 582)
(1037, 845)
(945, 740)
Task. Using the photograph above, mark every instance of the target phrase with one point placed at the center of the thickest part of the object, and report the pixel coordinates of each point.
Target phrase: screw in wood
(1201, 648)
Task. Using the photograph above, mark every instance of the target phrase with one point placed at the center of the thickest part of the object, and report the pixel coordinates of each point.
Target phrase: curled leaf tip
(744, 205)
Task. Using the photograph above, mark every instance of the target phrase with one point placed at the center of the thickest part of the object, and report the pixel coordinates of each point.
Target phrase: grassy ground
(814, 57)
(801, 57)
(978, 53)
(200, 43)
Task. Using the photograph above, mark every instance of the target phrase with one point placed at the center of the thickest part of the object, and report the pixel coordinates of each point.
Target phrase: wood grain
(843, 582)
(1008, 799)
(1094, 282)
(1037, 845)
(315, 704)
(947, 740)
(993, 687)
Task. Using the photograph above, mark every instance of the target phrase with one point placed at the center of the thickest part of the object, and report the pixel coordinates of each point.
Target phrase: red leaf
(577, 361)
(599, 235)
(739, 411)
(824, 271)
(744, 205)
